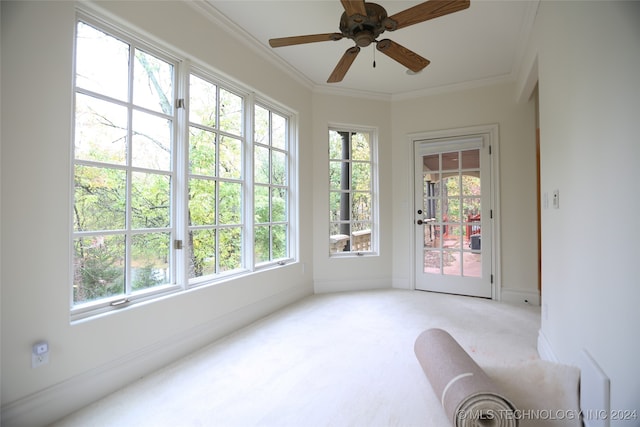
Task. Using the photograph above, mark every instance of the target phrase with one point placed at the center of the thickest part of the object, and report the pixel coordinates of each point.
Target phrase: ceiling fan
(363, 22)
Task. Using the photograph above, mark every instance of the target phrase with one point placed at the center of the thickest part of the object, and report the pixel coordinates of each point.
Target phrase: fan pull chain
(374, 57)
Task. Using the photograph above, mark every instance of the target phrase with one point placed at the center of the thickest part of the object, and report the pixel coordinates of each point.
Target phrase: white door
(452, 217)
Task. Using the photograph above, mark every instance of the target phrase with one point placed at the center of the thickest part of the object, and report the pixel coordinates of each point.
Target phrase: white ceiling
(473, 47)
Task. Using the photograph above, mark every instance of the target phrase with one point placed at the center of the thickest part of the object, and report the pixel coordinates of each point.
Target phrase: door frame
(491, 133)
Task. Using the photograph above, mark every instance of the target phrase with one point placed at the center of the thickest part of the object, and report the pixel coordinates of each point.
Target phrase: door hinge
(492, 279)
(491, 214)
(180, 103)
(177, 244)
(489, 149)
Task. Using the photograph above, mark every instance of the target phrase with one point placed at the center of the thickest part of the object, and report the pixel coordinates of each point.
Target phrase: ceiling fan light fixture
(363, 22)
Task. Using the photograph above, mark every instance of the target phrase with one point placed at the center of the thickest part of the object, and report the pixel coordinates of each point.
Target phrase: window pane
(98, 267)
(261, 165)
(100, 131)
(278, 204)
(230, 200)
(149, 260)
(278, 168)
(202, 257)
(100, 199)
(338, 175)
(202, 101)
(361, 176)
(361, 207)
(335, 204)
(153, 83)
(279, 239)
(102, 63)
(151, 147)
(150, 200)
(202, 152)
(261, 125)
(230, 248)
(261, 204)
(230, 157)
(279, 138)
(262, 244)
(360, 148)
(230, 112)
(202, 202)
(336, 146)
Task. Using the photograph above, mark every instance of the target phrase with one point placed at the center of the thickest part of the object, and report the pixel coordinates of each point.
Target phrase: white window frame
(183, 68)
(375, 229)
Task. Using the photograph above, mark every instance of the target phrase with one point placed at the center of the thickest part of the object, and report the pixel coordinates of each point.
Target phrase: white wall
(482, 106)
(588, 69)
(98, 355)
(351, 273)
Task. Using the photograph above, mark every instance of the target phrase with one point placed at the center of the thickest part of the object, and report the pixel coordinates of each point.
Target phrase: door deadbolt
(419, 222)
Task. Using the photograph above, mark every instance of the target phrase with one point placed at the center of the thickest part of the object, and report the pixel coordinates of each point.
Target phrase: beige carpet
(345, 359)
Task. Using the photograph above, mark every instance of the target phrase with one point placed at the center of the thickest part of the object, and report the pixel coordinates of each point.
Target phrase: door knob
(419, 222)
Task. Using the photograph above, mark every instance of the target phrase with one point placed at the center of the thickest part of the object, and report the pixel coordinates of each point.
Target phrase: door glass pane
(471, 159)
(451, 213)
(432, 261)
(451, 263)
(450, 161)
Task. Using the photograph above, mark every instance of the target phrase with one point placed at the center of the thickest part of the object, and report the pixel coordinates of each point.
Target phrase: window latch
(119, 302)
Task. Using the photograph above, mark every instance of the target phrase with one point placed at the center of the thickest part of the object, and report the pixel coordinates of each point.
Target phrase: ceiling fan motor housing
(364, 30)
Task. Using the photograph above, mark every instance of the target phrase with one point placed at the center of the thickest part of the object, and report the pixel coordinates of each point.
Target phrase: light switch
(556, 199)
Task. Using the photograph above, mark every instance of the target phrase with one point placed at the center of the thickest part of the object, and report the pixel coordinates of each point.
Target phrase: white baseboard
(55, 402)
(327, 286)
(520, 296)
(545, 350)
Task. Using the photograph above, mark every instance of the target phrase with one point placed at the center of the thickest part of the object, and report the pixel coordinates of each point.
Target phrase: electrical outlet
(39, 354)
(38, 360)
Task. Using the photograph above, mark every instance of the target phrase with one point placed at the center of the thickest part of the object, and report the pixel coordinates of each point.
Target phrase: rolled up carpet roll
(467, 394)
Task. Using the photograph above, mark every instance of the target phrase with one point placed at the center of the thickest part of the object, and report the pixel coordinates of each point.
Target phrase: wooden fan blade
(353, 7)
(343, 65)
(428, 10)
(406, 57)
(311, 38)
